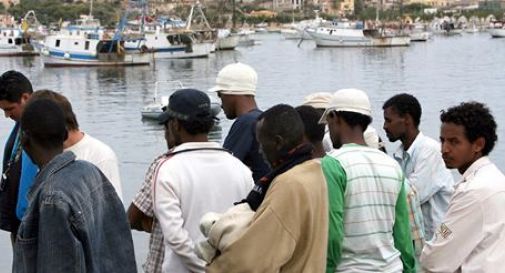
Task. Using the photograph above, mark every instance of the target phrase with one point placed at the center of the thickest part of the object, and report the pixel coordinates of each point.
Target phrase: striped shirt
(144, 202)
(369, 215)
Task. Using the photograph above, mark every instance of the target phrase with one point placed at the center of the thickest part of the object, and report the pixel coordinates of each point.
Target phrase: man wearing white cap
(236, 86)
(320, 101)
(369, 227)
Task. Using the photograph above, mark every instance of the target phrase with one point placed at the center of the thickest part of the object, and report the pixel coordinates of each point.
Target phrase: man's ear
(279, 142)
(25, 97)
(479, 144)
(176, 125)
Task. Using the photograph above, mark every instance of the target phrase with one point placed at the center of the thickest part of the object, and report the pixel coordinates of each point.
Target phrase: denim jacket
(75, 222)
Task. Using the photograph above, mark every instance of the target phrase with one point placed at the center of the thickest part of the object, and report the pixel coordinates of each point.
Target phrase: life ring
(66, 55)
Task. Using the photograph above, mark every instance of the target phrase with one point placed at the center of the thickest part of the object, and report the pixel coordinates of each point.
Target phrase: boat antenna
(91, 9)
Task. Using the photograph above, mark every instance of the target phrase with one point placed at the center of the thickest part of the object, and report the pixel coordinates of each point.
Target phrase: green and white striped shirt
(369, 228)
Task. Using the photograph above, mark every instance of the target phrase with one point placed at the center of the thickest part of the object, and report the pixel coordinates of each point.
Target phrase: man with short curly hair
(472, 235)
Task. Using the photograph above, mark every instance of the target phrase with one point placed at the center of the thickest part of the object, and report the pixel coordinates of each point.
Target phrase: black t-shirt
(241, 141)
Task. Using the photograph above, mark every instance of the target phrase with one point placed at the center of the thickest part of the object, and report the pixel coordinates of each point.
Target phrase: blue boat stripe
(72, 55)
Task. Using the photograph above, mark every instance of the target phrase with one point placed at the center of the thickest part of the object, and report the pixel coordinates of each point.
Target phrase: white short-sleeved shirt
(188, 185)
(101, 155)
(471, 238)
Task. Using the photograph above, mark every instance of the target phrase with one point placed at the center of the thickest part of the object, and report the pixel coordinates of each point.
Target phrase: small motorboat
(157, 106)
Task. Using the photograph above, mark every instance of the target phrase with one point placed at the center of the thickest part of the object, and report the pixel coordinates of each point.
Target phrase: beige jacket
(289, 230)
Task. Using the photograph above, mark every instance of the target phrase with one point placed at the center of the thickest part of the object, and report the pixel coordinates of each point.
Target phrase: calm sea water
(440, 73)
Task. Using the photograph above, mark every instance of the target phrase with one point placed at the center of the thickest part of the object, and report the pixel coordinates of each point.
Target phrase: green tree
(358, 8)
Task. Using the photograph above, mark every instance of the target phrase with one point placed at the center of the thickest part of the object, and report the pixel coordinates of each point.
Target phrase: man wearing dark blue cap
(193, 178)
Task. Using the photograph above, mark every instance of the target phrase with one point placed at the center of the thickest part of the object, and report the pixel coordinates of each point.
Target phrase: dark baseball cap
(186, 104)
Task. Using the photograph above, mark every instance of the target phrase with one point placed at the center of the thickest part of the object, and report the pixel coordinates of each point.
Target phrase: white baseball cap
(349, 100)
(318, 100)
(236, 79)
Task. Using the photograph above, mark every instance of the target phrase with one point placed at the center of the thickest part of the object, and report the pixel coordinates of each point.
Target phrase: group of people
(292, 189)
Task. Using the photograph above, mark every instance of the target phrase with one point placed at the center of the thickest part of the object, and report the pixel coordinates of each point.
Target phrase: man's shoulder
(71, 178)
(249, 117)
(75, 172)
(429, 144)
(96, 149)
(487, 179)
(181, 157)
(309, 171)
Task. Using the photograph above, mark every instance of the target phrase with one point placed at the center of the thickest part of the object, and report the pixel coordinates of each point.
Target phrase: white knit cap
(349, 100)
(236, 79)
(318, 100)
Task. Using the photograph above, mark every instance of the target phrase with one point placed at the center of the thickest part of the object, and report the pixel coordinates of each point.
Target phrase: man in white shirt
(84, 146)
(420, 159)
(472, 235)
(196, 177)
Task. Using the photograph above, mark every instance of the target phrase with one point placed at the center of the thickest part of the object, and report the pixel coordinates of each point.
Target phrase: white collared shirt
(472, 236)
(425, 169)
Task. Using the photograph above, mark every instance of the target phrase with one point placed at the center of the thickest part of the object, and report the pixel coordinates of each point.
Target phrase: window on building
(57, 43)
(86, 45)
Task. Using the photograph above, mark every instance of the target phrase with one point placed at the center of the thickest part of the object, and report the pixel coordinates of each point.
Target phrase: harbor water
(107, 101)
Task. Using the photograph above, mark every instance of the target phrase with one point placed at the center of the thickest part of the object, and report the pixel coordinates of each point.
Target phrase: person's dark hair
(13, 85)
(310, 117)
(62, 101)
(354, 119)
(477, 120)
(405, 104)
(43, 121)
(283, 120)
(198, 126)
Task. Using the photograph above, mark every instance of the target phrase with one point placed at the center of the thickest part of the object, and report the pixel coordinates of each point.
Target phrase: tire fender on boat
(66, 55)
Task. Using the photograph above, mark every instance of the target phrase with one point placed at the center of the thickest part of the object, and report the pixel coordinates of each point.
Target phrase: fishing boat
(15, 42)
(418, 32)
(497, 29)
(172, 45)
(345, 37)
(226, 40)
(78, 46)
(86, 44)
(172, 42)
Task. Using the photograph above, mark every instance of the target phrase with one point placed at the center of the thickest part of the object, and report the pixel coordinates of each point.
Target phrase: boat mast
(91, 9)
(233, 17)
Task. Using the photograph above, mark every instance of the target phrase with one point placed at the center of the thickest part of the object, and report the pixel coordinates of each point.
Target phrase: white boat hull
(295, 34)
(200, 50)
(355, 38)
(129, 60)
(227, 43)
(16, 51)
(420, 36)
(497, 32)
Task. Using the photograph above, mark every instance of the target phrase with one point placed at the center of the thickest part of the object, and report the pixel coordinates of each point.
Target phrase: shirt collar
(474, 168)
(401, 153)
(196, 145)
(56, 164)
